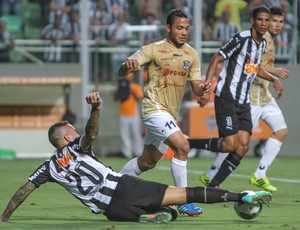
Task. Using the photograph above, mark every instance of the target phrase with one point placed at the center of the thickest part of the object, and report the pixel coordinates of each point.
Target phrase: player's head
(260, 20)
(260, 9)
(178, 27)
(61, 133)
(277, 21)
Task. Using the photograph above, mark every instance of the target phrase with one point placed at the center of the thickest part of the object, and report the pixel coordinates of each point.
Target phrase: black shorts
(232, 117)
(134, 197)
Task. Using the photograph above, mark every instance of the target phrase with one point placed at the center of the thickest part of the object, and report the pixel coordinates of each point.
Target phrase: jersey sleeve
(41, 175)
(231, 47)
(195, 73)
(144, 55)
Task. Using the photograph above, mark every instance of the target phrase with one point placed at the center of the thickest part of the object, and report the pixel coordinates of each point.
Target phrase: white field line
(234, 175)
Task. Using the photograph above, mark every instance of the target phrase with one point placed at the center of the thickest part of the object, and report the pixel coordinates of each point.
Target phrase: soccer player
(170, 63)
(119, 197)
(242, 57)
(264, 106)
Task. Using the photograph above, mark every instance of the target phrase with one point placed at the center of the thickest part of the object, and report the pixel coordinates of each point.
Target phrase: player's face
(260, 23)
(72, 132)
(179, 31)
(276, 24)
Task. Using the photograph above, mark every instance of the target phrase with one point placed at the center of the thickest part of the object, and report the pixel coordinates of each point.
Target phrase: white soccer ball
(247, 211)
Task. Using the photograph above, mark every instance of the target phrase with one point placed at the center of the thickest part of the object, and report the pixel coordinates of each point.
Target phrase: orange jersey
(129, 106)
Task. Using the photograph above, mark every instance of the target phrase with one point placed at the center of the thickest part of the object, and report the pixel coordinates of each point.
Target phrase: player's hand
(94, 99)
(203, 100)
(279, 89)
(282, 73)
(206, 88)
(132, 64)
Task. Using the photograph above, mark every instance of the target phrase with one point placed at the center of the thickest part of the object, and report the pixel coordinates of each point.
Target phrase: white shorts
(269, 113)
(159, 127)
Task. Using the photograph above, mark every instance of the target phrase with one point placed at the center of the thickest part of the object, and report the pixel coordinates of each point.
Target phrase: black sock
(212, 144)
(211, 195)
(230, 163)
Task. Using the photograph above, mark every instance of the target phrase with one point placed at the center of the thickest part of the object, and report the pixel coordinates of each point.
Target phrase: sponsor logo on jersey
(164, 51)
(167, 59)
(166, 84)
(167, 72)
(250, 68)
(186, 52)
(35, 175)
(137, 53)
(64, 161)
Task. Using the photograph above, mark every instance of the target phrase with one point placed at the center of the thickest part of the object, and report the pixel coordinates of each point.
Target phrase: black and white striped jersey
(242, 59)
(81, 173)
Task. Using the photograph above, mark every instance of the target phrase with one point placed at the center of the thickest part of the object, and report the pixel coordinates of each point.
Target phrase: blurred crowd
(109, 19)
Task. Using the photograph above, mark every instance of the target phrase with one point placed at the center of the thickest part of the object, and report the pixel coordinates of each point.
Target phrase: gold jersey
(169, 68)
(260, 93)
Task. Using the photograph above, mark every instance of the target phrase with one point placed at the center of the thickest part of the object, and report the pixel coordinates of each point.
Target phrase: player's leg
(228, 123)
(207, 176)
(152, 151)
(178, 143)
(175, 139)
(273, 116)
(147, 161)
(210, 195)
(212, 144)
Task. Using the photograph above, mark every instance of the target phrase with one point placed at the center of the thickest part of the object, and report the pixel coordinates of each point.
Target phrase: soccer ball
(247, 211)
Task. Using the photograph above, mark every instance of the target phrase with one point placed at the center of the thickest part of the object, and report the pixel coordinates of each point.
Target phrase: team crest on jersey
(186, 64)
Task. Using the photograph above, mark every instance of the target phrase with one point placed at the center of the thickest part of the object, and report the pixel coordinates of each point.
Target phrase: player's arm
(21, 194)
(212, 69)
(201, 89)
(128, 66)
(93, 123)
(278, 72)
(262, 73)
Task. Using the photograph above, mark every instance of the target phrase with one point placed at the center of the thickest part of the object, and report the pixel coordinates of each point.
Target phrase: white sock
(179, 172)
(131, 168)
(271, 149)
(212, 171)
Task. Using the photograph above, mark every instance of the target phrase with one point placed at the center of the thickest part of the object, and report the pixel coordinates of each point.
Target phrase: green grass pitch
(51, 207)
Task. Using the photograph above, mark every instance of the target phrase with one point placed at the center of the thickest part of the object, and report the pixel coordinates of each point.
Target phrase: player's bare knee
(149, 165)
(182, 152)
(229, 146)
(242, 149)
(281, 134)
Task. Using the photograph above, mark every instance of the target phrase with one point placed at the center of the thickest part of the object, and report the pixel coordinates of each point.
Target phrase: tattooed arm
(21, 194)
(92, 125)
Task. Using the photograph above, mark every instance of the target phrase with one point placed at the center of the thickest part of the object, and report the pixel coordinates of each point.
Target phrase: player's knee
(182, 152)
(242, 148)
(147, 165)
(229, 145)
(281, 134)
